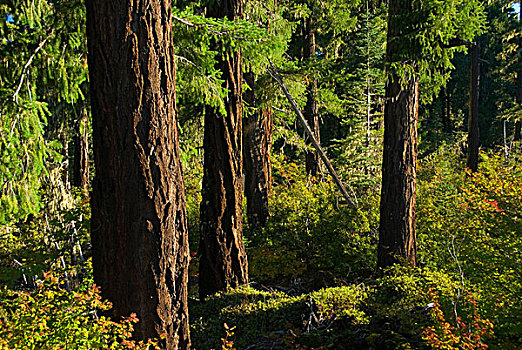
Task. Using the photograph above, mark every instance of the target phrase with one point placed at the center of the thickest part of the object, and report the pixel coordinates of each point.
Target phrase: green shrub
(262, 317)
(310, 233)
(470, 225)
(35, 245)
(49, 317)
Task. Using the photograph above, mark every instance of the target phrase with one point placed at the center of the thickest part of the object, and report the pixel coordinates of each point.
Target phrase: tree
(517, 136)
(81, 149)
(138, 225)
(418, 51)
(397, 208)
(311, 110)
(359, 79)
(42, 46)
(223, 260)
(257, 145)
(473, 118)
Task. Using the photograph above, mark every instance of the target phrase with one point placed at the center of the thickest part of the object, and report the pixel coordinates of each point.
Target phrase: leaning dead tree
(279, 79)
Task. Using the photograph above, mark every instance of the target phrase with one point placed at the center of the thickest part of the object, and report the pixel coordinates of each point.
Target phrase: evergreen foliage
(312, 267)
(43, 67)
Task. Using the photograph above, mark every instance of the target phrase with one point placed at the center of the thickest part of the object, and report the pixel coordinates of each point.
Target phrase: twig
(190, 24)
(23, 274)
(277, 77)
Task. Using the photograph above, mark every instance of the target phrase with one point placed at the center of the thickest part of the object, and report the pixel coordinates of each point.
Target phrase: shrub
(470, 225)
(49, 317)
(310, 233)
(274, 318)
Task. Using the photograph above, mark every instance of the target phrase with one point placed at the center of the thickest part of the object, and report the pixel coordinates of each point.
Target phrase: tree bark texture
(223, 260)
(397, 236)
(138, 226)
(473, 118)
(257, 146)
(311, 111)
(81, 152)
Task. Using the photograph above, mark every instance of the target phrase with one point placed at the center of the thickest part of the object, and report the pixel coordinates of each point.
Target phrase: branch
(458, 42)
(191, 24)
(209, 27)
(27, 64)
(277, 77)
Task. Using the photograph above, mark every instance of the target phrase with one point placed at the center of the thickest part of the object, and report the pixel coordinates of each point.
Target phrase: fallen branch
(277, 77)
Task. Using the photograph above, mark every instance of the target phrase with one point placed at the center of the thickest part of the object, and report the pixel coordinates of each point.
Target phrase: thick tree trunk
(311, 111)
(397, 240)
(223, 260)
(81, 152)
(257, 144)
(473, 118)
(139, 228)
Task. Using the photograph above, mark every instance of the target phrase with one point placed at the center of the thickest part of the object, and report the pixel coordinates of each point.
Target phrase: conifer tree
(258, 119)
(257, 145)
(418, 49)
(473, 118)
(359, 82)
(223, 260)
(42, 70)
(320, 26)
(311, 110)
(138, 226)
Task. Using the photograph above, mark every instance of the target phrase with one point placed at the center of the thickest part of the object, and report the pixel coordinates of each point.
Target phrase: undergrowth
(314, 284)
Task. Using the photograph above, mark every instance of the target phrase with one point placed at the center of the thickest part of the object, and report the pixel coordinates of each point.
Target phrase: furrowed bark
(223, 260)
(138, 225)
(257, 144)
(397, 238)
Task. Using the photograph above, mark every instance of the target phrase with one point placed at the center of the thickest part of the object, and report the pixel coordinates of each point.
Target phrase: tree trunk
(446, 111)
(223, 260)
(257, 144)
(311, 111)
(138, 225)
(81, 152)
(473, 118)
(397, 241)
(517, 136)
(518, 131)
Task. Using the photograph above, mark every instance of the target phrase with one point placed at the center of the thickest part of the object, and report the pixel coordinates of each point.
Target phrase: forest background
(313, 280)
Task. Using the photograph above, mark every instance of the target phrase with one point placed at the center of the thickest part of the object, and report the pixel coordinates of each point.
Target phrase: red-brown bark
(257, 145)
(397, 238)
(138, 226)
(223, 260)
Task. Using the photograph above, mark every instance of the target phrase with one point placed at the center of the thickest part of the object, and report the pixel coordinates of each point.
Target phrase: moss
(274, 318)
